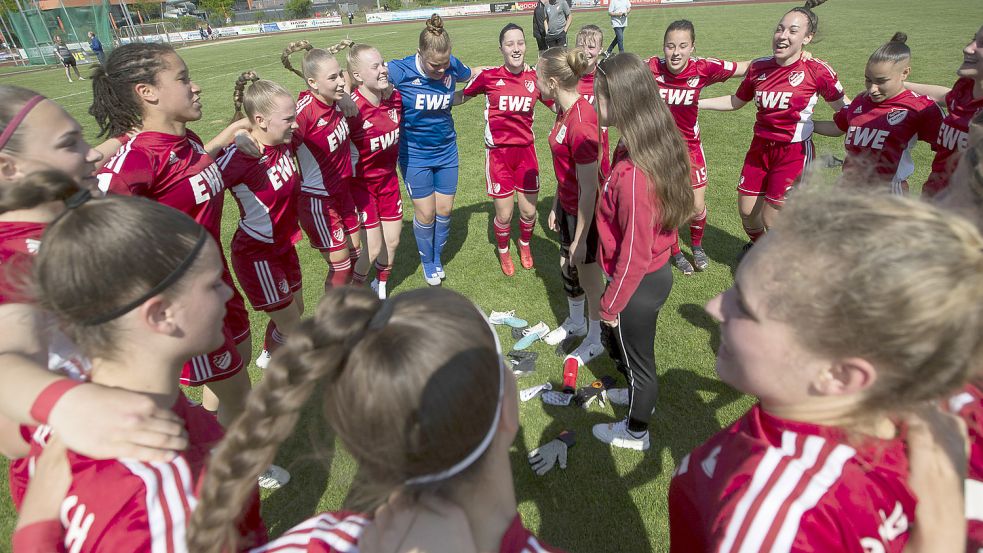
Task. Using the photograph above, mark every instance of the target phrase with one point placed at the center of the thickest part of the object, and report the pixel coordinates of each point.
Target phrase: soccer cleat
(274, 478)
(379, 287)
(70, 80)
(700, 260)
(618, 435)
(430, 274)
(619, 396)
(531, 392)
(438, 267)
(521, 355)
(560, 399)
(565, 330)
(531, 335)
(505, 259)
(506, 318)
(682, 263)
(587, 352)
(263, 360)
(525, 256)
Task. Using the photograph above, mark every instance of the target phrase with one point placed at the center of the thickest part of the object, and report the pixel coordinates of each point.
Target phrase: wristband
(48, 397)
(568, 437)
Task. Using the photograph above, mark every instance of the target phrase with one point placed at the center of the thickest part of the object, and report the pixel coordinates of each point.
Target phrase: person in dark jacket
(539, 25)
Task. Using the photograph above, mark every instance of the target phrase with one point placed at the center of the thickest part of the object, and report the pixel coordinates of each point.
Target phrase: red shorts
(698, 176)
(511, 168)
(772, 168)
(327, 219)
(378, 201)
(937, 182)
(236, 317)
(217, 365)
(268, 277)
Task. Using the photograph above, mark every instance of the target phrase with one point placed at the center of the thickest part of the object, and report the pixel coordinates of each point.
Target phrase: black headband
(164, 284)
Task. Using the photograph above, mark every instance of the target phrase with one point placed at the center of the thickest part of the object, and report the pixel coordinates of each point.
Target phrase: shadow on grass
(697, 316)
(722, 247)
(308, 455)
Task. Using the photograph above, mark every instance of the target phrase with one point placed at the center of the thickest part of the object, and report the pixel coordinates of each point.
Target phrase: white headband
(458, 467)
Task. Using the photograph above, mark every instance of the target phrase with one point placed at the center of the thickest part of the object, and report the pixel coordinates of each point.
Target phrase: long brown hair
(648, 129)
(411, 386)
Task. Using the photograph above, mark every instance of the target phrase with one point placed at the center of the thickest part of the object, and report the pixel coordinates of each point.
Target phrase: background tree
(217, 8)
(298, 9)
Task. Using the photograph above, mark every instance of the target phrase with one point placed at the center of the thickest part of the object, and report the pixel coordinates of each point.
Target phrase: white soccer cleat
(565, 330)
(506, 318)
(274, 478)
(263, 361)
(617, 435)
(531, 335)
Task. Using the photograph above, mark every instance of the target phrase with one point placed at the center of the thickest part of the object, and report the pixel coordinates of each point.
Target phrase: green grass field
(605, 500)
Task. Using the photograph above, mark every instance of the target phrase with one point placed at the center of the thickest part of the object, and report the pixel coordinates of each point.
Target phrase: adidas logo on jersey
(321, 123)
(660, 79)
(859, 109)
(416, 82)
(32, 245)
(762, 76)
(367, 125)
(500, 83)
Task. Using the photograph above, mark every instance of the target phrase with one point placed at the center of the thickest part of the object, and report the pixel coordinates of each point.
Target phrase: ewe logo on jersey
(677, 97)
(515, 103)
(384, 141)
(896, 116)
(866, 138)
(281, 172)
(432, 102)
(206, 184)
(338, 135)
(772, 100)
(951, 138)
(795, 78)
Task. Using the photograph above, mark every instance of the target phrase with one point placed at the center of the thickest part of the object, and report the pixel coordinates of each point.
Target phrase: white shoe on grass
(263, 361)
(506, 318)
(379, 288)
(618, 435)
(564, 331)
(274, 478)
(531, 335)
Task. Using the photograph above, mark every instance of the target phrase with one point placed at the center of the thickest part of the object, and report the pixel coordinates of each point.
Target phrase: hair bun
(435, 24)
(899, 37)
(577, 60)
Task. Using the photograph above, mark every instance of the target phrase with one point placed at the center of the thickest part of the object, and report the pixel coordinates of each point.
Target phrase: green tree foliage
(217, 8)
(393, 5)
(298, 9)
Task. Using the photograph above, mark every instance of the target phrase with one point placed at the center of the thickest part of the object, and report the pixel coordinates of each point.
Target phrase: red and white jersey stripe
(265, 189)
(768, 484)
(322, 145)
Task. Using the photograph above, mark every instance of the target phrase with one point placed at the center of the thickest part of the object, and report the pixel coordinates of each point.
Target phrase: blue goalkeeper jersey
(427, 136)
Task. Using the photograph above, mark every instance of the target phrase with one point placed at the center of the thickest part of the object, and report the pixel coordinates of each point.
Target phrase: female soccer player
(590, 38)
(820, 463)
(411, 440)
(785, 89)
(266, 189)
(963, 100)
(883, 124)
(37, 136)
(327, 211)
(428, 146)
(145, 88)
(643, 201)
(580, 161)
(681, 78)
(511, 167)
(375, 140)
(138, 328)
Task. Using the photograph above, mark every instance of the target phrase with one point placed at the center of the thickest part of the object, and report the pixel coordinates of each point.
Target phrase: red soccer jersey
(172, 170)
(574, 140)
(768, 484)
(631, 238)
(510, 101)
(322, 145)
(882, 135)
(786, 96)
(968, 404)
(682, 92)
(18, 244)
(375, 137)
(127, 505)
(954, 132)
(266, 191)
(586, 86)
(339, 533)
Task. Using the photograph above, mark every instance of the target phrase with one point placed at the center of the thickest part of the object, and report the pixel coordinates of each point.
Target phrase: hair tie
(77, 199)
(164, 284)
(18, 119)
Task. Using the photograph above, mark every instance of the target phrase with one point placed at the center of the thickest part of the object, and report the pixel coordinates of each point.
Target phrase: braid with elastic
(346, 43)
(290, 49)
(317, 350)
(813, 3)
(115, 105)
(237, 94)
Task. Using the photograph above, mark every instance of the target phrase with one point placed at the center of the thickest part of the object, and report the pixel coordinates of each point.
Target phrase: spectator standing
(619, 10)
(351, 18)
(96, 47)
(558, 20)
(539, 24)
(67, 59)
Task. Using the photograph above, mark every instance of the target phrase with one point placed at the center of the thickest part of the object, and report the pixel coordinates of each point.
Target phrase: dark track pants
(632, 345)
